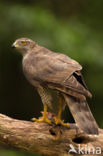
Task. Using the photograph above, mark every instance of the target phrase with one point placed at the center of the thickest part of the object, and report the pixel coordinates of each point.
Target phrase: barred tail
(82, 115)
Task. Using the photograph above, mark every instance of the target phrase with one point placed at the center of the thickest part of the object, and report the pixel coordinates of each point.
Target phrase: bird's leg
(57, 119)
(43, 118)
(45, 99)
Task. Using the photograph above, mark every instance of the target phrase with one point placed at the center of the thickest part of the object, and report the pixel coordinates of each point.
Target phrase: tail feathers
(82, 115)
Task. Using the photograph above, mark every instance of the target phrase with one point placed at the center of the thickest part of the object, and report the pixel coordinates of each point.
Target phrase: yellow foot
(60, 122)
(42, 119)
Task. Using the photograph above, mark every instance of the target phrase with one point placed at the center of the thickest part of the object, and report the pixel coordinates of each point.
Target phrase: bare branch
(43, 138)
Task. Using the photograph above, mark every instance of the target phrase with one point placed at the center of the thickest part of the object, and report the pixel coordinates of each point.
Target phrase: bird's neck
(33, 49)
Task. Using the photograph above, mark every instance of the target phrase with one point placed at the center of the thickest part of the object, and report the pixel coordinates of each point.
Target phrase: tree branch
(43, 138)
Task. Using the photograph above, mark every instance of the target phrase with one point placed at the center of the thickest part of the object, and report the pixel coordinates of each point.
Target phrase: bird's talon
(42, 119)
(60, 122)
(34, 119)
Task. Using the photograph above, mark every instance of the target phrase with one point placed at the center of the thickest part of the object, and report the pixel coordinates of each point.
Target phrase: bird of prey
(47, 70)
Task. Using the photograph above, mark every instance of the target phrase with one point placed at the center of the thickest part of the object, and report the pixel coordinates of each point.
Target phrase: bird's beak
(14, 45)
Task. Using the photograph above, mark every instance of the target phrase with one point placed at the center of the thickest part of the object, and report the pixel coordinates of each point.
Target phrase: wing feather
(64, 72)
(57, 71)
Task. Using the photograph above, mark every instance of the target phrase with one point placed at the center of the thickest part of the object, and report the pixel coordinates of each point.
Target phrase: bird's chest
(30, 69)
(36, 66)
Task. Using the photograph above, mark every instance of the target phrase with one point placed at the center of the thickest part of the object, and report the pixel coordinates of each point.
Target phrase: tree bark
(48, 140)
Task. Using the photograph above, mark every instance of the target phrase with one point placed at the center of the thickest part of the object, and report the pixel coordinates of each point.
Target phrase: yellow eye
(23, 43)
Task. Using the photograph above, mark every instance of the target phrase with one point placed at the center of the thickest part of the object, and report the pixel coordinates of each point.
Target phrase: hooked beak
(14, 45)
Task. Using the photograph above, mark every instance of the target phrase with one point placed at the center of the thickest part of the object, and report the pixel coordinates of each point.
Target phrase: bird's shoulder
(44, 55)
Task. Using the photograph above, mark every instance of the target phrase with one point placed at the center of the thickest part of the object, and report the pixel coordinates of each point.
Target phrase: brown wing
(62, 73)
(55, 70)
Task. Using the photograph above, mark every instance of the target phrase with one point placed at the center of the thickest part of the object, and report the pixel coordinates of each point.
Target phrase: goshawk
(47, 70)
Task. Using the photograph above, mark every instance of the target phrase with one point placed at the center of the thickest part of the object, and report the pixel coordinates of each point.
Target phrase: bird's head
(23, 45)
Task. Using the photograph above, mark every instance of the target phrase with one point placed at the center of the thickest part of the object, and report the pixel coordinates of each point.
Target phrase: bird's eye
(23, 43)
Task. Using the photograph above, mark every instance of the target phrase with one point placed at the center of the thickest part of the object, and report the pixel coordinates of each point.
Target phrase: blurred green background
(72, 27)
